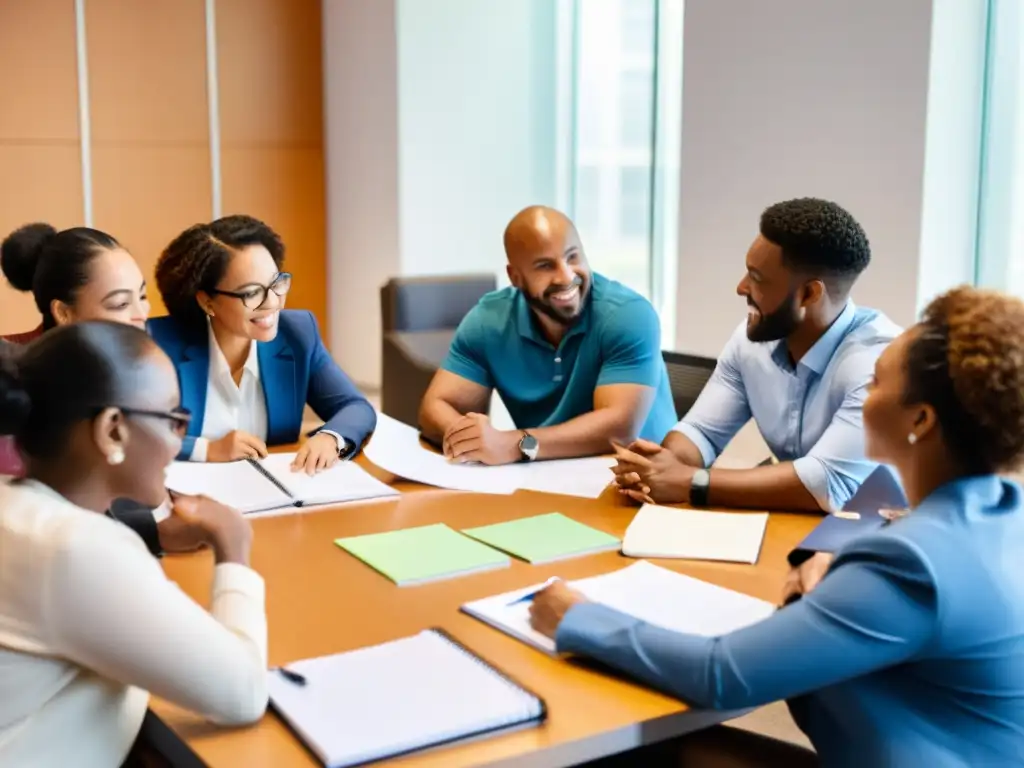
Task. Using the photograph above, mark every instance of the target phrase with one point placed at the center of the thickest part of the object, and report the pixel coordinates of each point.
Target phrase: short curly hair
(967, 362)
(820, 239)
(197, 258)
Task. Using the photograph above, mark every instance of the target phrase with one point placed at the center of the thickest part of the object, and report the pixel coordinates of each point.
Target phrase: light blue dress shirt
(910, 652)
(809, 413)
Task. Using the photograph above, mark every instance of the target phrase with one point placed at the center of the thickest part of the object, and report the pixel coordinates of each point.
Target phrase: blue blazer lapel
(284, 403)
(193, 377)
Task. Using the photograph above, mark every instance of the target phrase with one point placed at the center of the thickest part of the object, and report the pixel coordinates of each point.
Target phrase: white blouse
(89, 625)
(231, 406)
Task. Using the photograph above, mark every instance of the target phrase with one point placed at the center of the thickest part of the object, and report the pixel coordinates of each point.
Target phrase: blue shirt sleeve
(335, 398)
(467, 356)
(874, 609)
(836, 466)
(631, 346)
(722, 407)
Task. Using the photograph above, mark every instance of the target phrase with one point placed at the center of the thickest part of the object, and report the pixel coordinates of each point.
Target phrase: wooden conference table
(321, 600)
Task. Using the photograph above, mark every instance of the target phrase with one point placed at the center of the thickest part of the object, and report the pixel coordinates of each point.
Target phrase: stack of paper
(420, 555)
(647, 592)
(395, 447)
(545, 538)
(695, 535)
(398, 697)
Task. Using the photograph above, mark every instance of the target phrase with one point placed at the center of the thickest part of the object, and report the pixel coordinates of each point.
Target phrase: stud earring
(912, 438)
(115, 457)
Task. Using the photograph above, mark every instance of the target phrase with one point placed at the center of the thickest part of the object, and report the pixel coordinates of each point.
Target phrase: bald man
(576, 358)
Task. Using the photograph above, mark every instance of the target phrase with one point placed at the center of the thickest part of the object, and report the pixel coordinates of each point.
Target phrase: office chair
(419, 316)
(687, 375)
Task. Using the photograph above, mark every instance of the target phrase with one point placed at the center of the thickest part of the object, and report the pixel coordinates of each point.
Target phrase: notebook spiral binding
(263, 471)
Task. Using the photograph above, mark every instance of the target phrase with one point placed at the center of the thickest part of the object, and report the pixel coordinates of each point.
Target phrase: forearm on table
(587, 435)
(436, 416)
(772, 487)
(684, 449)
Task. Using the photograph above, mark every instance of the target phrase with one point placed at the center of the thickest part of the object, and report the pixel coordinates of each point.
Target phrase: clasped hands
(647, 473)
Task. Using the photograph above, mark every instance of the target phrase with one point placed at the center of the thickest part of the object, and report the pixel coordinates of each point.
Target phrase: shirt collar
(818, 356)
(528, 326)
(219, 364)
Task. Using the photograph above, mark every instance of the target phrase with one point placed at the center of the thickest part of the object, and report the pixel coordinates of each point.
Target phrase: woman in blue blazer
(910, 651)
(247, 367)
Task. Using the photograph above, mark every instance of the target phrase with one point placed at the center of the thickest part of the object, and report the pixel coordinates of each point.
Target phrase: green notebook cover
(427, 553)
(545, 538)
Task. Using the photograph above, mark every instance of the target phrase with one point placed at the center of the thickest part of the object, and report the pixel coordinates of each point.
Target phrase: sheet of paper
(237, 484)
(586, 478)
(395, 447)
(695, 534)
(650, 593)
(403, 695)
(343, 482)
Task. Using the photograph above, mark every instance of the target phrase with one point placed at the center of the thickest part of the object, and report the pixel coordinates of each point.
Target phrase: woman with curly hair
(910, 651)
(247, 366)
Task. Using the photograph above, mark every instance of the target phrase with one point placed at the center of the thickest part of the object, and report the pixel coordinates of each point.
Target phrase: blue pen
(529, 596)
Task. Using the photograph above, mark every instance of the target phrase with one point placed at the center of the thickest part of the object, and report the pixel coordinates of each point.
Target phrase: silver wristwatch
(528, 446)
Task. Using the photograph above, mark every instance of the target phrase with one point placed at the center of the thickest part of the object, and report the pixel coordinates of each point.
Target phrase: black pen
(294, 677)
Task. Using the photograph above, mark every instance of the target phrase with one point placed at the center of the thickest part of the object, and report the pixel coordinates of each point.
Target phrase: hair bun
(15, 403)
(19, 253)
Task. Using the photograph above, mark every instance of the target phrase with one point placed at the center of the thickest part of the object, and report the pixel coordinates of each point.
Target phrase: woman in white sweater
(89, 624)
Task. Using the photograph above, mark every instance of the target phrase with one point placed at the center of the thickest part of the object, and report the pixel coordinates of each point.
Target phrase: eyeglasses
(256, 296)
(180, 418)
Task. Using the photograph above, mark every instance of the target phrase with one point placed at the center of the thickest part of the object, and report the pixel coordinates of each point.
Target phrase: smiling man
(576, 358)
(799, 365)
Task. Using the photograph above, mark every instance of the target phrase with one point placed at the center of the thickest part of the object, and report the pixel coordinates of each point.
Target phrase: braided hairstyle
(967, 362)
(197, 258)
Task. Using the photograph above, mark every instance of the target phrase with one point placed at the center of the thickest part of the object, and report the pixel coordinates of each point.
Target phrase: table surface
(320, 600)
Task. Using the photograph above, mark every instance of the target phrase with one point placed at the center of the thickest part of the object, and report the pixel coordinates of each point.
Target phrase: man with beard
(575, 357)
(800, 365)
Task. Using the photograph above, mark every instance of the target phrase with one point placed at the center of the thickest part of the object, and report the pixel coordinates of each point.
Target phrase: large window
(624, 85)
(1001, 210)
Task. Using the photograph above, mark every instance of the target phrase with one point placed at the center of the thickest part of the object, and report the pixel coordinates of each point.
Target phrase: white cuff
(235, 577)
(707, 450)
(199, 449)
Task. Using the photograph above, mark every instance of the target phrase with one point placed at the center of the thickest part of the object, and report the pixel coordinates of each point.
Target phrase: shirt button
(558, 359)
(558, 377)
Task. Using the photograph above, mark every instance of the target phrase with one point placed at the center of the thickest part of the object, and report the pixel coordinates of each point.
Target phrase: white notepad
(695, 534)
(652, 594)
(389, 699)
(265, 484)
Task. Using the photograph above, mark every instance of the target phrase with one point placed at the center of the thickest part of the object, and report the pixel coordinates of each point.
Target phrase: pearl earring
(912, 438)
(115, 457)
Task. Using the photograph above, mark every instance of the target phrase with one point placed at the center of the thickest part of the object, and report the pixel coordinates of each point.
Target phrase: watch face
(528, 443)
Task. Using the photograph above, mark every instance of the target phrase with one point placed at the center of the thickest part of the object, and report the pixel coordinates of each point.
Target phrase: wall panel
(150, 124)
(271, 117)
(39, 141)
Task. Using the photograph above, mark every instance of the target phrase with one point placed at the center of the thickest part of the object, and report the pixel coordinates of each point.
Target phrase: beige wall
(148, 104)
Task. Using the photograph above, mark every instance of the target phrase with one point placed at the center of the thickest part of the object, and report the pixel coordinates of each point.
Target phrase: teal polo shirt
(617, 340)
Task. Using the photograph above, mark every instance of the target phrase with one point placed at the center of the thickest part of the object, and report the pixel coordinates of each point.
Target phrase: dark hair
(197, 258)
(64, 376)
(967, 362)
(53, 265)
(818, 238)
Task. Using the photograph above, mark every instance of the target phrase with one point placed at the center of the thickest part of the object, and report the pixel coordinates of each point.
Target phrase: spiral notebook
(265, 484)
(398, 697)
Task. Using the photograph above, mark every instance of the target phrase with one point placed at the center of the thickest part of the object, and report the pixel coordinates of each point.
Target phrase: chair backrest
(431, 303)
(687, 375)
